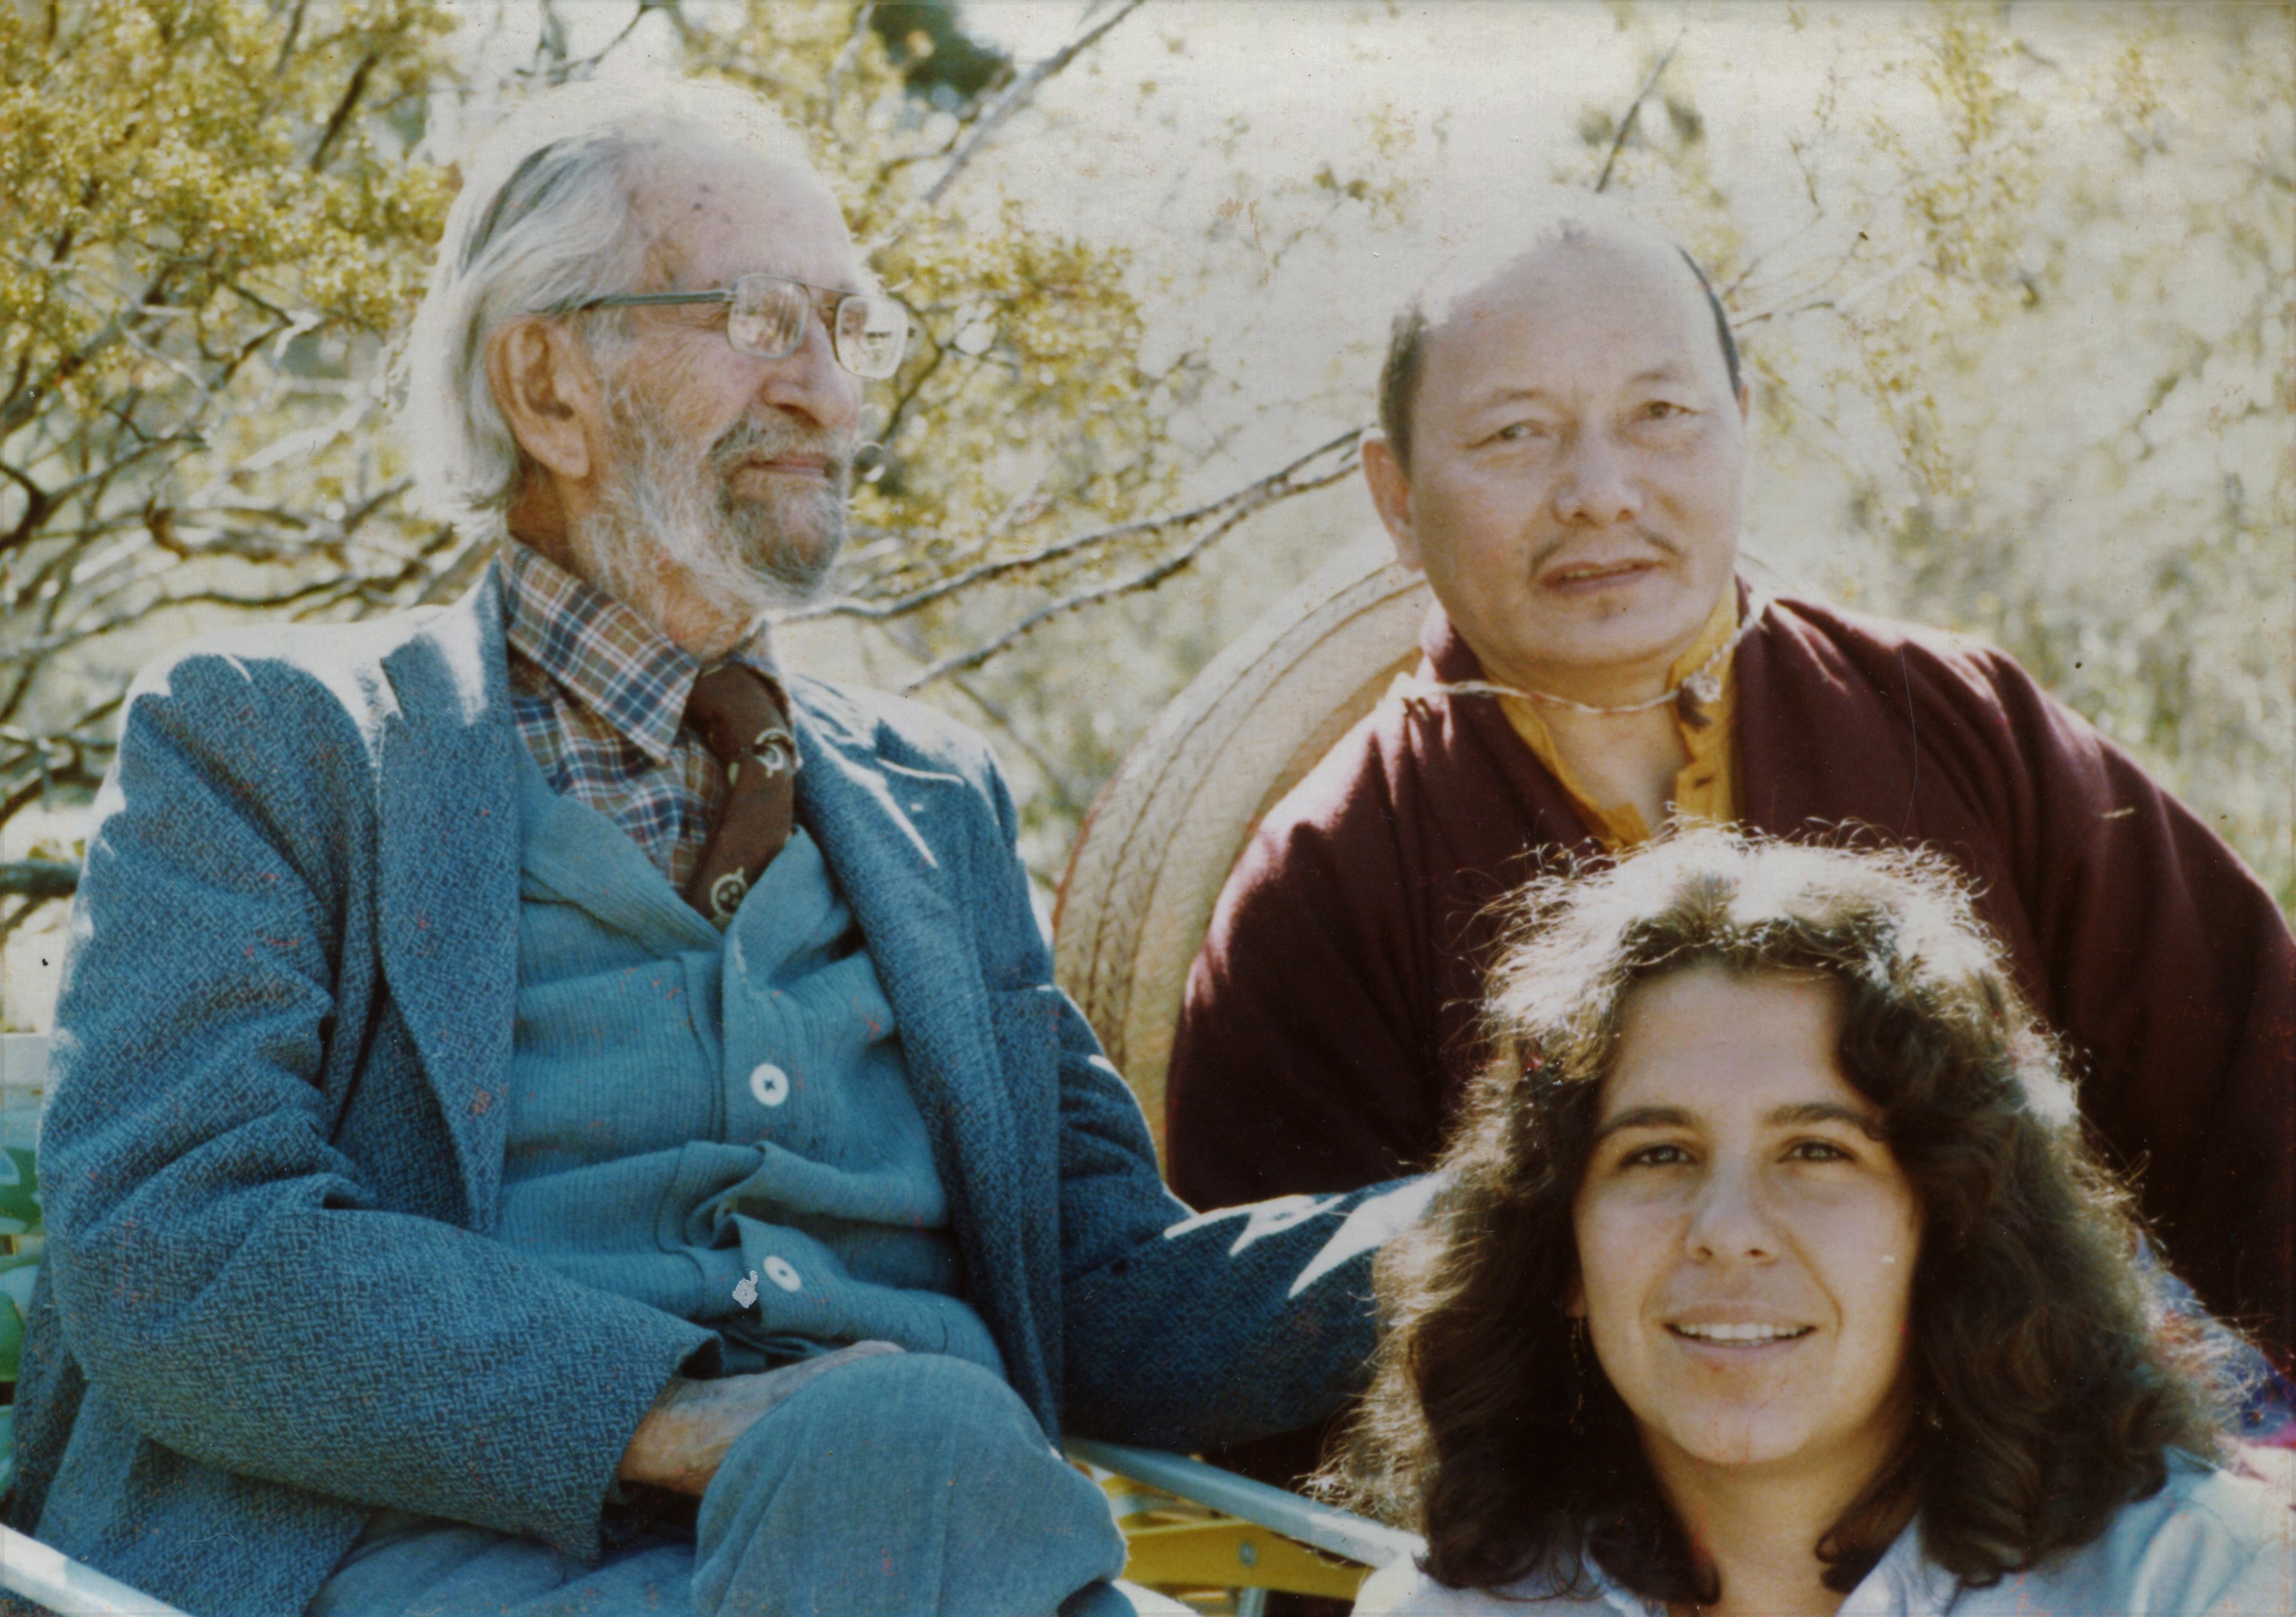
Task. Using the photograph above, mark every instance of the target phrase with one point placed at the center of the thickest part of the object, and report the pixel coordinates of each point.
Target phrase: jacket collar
(449, 858)
(447, 870)
(898, 838)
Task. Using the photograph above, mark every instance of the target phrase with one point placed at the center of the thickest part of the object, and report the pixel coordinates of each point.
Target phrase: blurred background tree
(209, 226)
(2015, 283)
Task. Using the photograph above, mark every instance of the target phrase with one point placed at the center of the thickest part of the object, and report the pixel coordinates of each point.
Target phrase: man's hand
(683, 1438)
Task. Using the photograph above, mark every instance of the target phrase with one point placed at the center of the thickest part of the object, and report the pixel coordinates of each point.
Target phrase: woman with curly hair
(1773, 1275)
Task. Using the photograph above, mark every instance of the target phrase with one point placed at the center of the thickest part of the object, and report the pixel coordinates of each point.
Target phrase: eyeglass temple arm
(635, 300)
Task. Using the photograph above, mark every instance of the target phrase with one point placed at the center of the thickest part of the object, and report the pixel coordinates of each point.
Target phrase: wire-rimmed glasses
(767, 315)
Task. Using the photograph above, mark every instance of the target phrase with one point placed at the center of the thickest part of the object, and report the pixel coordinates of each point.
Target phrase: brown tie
(739, 718)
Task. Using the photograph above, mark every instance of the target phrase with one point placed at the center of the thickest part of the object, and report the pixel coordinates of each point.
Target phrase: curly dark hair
(2049, 1385)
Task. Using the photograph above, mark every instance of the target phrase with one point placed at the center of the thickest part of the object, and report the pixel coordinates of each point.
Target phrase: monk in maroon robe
(1563, 451)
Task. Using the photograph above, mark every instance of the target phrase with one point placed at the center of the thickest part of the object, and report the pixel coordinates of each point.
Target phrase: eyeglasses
(767, 316)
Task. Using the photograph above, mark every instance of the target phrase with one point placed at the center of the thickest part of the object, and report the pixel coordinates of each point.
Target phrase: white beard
(666, 521)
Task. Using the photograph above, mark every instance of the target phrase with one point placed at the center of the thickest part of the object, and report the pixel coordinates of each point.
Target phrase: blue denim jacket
(272, 1163)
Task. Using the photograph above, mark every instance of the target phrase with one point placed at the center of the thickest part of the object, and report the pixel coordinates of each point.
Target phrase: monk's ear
(548, 389)
(1391, 492)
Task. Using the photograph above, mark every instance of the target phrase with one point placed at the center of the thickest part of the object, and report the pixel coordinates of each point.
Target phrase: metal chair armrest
(53, 1578)
(1323, 1527)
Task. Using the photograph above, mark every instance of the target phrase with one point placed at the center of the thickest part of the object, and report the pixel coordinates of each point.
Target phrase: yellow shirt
(1705, 788)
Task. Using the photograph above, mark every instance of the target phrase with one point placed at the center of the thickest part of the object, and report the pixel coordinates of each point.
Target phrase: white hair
(544, 222)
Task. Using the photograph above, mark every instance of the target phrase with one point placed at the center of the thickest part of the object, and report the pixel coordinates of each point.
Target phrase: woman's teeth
(1740, 1333)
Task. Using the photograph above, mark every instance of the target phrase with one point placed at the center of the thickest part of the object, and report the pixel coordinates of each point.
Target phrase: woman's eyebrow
(1642, 1117)
(1825, 1111)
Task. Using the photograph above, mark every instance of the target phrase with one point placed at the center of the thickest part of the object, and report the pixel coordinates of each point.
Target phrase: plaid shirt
(598, 697)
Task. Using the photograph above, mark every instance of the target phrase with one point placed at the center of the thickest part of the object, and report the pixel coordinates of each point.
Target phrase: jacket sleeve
(1184, 1330)
(230, 1283)
(2172, 973)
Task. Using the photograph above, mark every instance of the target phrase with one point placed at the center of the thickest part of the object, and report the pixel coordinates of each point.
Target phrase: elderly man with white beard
(554, 1110)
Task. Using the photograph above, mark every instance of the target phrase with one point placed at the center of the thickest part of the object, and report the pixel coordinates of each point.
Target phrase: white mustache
(774, 436)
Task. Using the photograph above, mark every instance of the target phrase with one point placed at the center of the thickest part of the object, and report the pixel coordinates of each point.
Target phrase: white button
(769, 1084)
(781, 1274)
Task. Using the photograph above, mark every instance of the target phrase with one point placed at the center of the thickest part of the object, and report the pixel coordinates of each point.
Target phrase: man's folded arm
(227, 1281)
(1176, 1331)
(1191, 1330)
(2175, 977)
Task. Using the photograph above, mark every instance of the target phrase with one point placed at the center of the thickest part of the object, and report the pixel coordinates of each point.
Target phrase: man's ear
(1391, 492)
(547, 391)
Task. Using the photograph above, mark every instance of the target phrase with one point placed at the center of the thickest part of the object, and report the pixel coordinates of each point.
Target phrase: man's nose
(812, 386)
(1728, 1220)
(1597, 486)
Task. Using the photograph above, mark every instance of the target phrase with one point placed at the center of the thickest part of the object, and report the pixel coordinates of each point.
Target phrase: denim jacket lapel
(898, 840)
(449, 872)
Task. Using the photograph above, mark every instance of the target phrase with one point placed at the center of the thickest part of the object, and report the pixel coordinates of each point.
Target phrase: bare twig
(1146, 579)
(834, 83)
(1066, 797)
(1278, 485)
(287, 44)
(342, 117)
(1634, 111)
(22, 913)
(1023, 91)
(39, 879)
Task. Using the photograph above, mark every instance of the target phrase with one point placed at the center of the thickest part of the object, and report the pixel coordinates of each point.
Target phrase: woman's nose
(1728, 1220)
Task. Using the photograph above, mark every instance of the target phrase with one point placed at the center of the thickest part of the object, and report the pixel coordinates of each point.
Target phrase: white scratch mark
(1371, 1225)
(1261, 1218)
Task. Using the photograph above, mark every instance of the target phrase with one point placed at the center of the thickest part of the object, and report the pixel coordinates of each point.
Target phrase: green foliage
(2035, 328)
(20, 1220)
(19, 1192)
(1991, 395)
(211, 221)
(1023, 406)
(937, 59)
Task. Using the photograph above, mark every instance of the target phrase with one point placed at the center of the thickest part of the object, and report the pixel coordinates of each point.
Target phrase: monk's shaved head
(1580, 224)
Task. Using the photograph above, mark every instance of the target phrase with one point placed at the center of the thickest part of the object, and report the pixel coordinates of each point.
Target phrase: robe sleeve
(1305, 1058)
(2171, 972)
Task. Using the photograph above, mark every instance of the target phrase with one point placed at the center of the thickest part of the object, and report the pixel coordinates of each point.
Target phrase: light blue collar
(1903, 1583)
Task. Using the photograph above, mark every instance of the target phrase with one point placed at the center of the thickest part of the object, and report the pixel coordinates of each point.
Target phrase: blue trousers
(906, 1484)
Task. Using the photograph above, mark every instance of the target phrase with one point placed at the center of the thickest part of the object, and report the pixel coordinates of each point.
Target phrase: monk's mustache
(775, 436)
(1554, 547)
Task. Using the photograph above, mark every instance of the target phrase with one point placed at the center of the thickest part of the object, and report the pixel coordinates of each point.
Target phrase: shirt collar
(1903, 1583)
(1720, 624)
(603, 654)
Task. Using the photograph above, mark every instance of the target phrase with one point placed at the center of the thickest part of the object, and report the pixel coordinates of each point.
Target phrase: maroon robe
(1329, 1025)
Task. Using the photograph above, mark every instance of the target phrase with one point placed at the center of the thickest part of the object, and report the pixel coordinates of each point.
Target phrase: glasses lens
(768, 317)
(871, 334)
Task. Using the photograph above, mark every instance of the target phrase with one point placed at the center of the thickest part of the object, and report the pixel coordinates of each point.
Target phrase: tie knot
(738, 715)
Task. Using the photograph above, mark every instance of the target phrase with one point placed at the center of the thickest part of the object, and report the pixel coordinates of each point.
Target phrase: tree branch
(834, 81)
(344, 108)
(1023, 91)
(39, 880)
(1279, 485)
(1146, 579)
(1634, 111)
